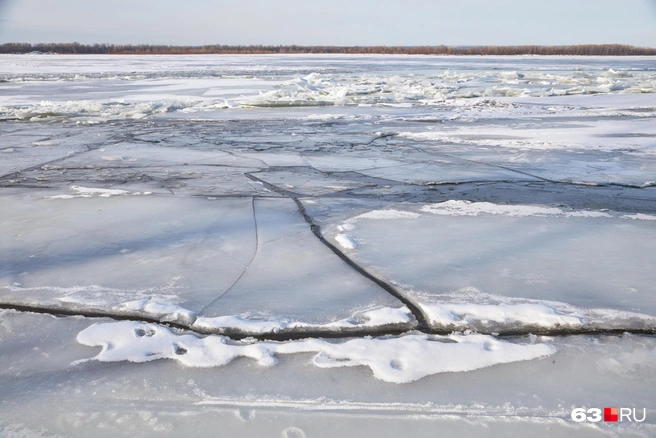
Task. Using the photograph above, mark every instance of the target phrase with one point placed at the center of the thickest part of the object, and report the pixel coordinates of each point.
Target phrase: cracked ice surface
(249, 266)
(508, 195)
(486, 266)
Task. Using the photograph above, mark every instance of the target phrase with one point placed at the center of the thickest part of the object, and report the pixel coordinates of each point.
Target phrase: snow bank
(393, 359)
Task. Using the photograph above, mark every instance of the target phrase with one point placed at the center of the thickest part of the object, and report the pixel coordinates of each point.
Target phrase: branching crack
(316, 230)
(60, 312)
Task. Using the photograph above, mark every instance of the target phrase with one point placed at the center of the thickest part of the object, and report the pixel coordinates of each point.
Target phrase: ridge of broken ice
(156, 91)
(162, 308)
(471, 309)
(382, 317)
(400, 359)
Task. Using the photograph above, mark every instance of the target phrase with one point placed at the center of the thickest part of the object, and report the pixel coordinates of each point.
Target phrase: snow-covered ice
(463, 244)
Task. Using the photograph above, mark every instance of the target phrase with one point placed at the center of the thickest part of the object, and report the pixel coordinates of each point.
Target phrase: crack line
(422, 320)
(59, 312)
(243, 272)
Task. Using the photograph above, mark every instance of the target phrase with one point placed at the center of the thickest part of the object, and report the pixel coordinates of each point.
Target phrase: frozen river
(319, 244)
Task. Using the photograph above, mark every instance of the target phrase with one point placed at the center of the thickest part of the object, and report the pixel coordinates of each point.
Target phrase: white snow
(468, 208)
(346, 241)
(374, 318)
(154, 308)
(464, 315)
(87, 192)
(385, 214)
(640, 216)
(394, 359)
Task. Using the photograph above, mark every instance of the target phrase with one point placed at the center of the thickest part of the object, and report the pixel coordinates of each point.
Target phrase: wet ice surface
(458, 199)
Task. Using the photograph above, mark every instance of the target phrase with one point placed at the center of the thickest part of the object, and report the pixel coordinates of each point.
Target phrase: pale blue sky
(333, 22)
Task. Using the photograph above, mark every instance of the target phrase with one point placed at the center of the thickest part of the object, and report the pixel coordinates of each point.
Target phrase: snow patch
(89, 192)
(392, 359)
(346, 241)
(463, 315)
(163, 311)
(468, 208)
(640, 217)
(112, 158)
(379, 317)
(385, 214)
(471, 309)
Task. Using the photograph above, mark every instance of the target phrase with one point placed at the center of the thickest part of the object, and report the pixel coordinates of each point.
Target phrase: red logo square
(610, 414)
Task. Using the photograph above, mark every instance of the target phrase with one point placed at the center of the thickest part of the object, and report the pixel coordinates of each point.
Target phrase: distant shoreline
(144, 49)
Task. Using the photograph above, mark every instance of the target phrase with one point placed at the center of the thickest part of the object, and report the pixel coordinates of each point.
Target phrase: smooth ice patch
(394, 359)
(348, 242)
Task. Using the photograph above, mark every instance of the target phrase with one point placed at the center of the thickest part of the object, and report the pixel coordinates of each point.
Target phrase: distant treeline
(145, 49)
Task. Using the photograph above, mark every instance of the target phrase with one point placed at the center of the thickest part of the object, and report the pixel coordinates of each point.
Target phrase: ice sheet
(246, 398)
(294, 277)
(459, 254)
(99, 252)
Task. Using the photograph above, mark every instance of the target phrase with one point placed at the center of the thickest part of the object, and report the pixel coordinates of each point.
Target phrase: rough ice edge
(392, 359)
(89, 192)
(375, 318)
(154, 305)
(471, 309)
(468, 315)
(469, 208)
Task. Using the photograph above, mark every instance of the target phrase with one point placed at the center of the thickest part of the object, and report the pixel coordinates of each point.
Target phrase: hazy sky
(335, 22)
